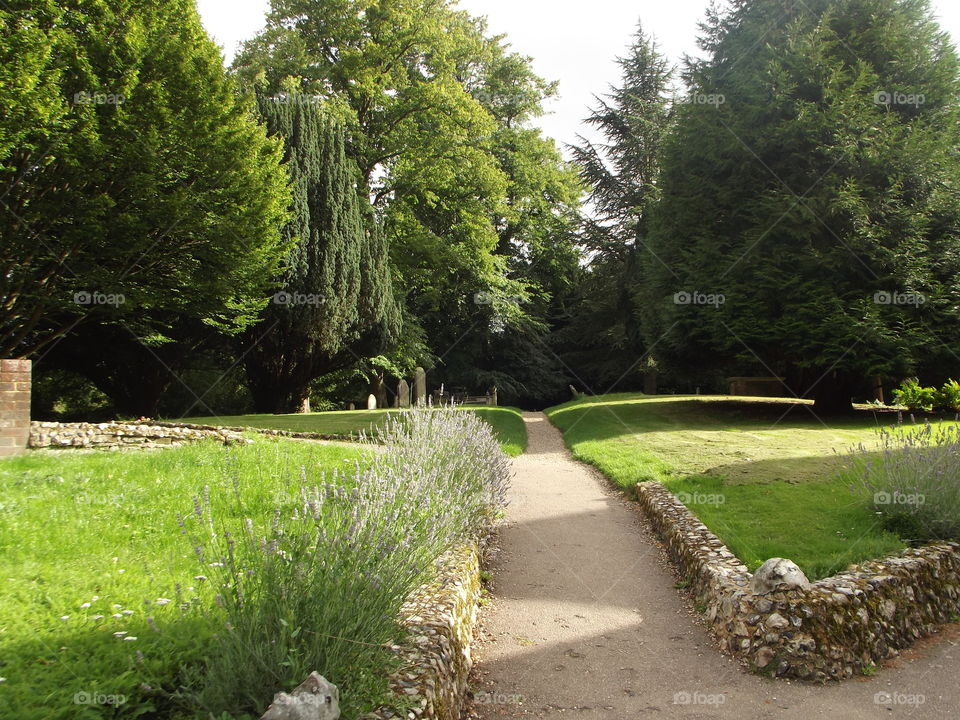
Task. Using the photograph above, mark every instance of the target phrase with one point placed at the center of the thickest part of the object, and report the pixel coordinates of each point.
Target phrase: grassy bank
(100, 586)
(507, 423)
(764, 475)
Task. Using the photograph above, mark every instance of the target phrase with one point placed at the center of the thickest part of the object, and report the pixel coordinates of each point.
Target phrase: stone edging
(124, 435)
(837, 627)
(440, 618)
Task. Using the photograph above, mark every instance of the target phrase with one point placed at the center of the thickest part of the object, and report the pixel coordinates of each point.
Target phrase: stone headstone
(420, 386)
(494, 400)
(778, 574)
(351, 406)
(403, 394)
(314, 699)
(574, 392)
(379, 389)
(371, 402)
(650, 382)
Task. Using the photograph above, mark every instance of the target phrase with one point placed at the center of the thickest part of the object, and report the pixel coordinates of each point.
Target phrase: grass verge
(764, 475)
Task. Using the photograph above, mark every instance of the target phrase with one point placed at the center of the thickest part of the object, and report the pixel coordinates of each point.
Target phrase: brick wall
(14, 406)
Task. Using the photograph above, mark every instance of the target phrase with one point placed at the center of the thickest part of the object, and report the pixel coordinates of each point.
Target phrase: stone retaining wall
(440, 618)
(831, 630)
(124, 435)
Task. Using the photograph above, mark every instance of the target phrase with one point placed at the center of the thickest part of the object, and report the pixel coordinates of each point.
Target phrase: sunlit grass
(775, 464)
(90, 547)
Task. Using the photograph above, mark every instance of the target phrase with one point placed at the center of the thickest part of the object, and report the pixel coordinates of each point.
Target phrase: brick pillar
(14, 406)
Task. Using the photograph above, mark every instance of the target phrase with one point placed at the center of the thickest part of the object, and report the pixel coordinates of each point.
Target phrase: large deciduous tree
(812, 181)
(438, 130)
(130, 167)
(336, 302)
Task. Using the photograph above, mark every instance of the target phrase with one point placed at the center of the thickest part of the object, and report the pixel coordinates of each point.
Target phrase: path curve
(584, 622)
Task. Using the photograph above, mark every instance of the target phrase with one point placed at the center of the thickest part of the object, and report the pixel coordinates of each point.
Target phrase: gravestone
(494, 400)
(371, 402)
(420, 386)
(379, 390)
(351, 406)
(403, 394)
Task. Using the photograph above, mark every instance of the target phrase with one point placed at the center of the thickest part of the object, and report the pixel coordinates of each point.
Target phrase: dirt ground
(584, 621)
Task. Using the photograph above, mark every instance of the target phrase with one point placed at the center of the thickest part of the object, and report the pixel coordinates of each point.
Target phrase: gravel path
(584, 622)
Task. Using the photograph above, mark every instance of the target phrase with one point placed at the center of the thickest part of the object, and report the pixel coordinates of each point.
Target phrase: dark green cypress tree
(336, 302)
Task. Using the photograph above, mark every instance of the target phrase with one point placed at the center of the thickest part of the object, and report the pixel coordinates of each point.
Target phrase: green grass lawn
(95, 569)
(507, 423)
(764, 475)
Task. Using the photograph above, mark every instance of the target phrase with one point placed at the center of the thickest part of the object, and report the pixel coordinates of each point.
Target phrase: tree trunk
(833, 395)
(279, 391)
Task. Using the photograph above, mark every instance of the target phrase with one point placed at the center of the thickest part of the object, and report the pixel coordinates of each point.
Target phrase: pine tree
(812, 175)
(336, 300)
(604, 340)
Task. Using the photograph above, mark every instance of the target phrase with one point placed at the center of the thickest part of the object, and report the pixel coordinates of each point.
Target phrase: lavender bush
(914, 481)
(318, 586)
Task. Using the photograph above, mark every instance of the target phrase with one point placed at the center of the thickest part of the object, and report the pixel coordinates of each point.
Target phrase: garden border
(837, 627)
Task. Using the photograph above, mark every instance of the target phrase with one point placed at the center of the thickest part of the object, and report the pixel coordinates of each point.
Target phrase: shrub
(320, 587)
(948, 397)
(914, 396)
(914, 481)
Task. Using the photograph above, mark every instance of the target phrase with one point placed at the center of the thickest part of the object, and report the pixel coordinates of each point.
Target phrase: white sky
(573, 42)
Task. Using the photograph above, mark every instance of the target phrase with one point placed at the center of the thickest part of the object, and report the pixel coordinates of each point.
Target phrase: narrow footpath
(584, 621)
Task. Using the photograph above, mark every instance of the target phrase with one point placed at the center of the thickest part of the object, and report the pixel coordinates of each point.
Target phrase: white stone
(778, 574)
(314, 699)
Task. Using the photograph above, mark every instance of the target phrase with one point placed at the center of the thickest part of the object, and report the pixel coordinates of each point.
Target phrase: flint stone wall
(834, 629)
(124, 435)
(440, 617)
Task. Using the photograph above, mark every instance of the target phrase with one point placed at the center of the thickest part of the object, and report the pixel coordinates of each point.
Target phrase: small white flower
(97, 617)
(129, 638)
(3, 679)
(200, 577)
(117, 615)
(85, 605)
(120, 633)
(127, 612)
(64, 617)
(164, 601)
(121, 570)
(117, 606)
(94, 598)
(216, 564)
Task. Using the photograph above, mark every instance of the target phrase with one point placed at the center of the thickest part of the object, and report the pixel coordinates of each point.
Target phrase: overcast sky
(575, 43)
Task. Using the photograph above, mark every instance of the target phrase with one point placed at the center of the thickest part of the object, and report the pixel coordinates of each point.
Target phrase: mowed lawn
(103, 597)
(507, 423)
(767, 476)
